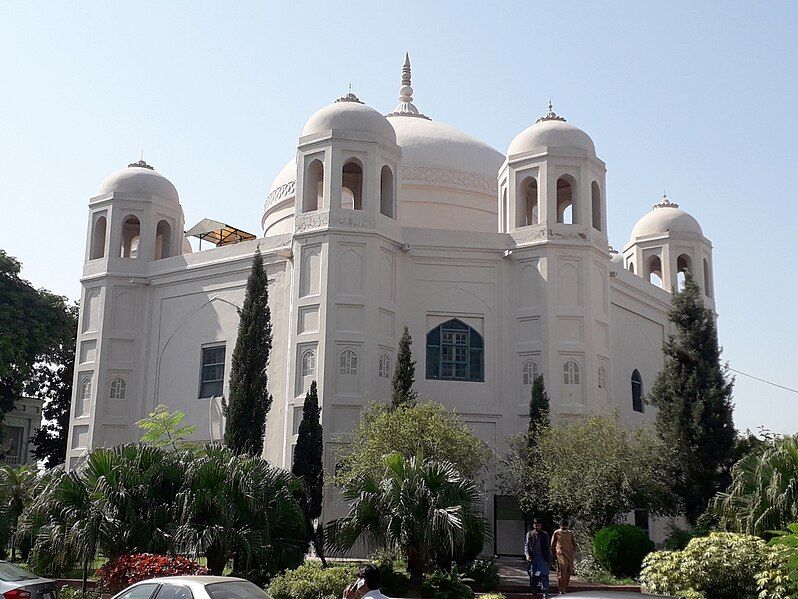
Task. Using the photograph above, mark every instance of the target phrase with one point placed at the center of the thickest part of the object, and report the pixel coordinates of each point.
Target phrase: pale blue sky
(696, 98)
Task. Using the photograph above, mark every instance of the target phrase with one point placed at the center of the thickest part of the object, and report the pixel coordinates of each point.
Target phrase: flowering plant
(125, 570)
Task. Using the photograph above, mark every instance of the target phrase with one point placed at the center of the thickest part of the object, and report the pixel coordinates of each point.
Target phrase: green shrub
(444, 585)
(620, 548)
(311, 581)
(492, 596)
(393, 582)
(484, 573)
(678, 538)
(70, 592)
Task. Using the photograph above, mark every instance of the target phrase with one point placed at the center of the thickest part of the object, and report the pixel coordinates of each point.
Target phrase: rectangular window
(212, 371)
(641, 519)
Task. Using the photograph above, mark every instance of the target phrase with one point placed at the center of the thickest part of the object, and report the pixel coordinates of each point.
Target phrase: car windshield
(12, 573)
(235, 589)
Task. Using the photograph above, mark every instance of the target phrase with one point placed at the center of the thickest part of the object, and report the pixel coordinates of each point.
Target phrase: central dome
(350, 114)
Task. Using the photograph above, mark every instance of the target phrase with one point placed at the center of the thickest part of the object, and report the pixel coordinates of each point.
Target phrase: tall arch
(632, 267)
(637, 391)
(529, 372)
(97, 249)
(595, 206)
(528, 205)
(163, 240)
(655, 271)
(352, 185)
(455, 352)
(504, 217)
(567, 210)
(571, 373)
(387, 192)
(314, 186)
(707, 279)
(684, 264)
(131, 232)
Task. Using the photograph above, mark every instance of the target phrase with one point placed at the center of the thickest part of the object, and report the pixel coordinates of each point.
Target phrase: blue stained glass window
(455, 352)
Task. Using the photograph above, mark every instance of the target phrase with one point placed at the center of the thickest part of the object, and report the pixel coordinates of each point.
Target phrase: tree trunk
(216, 560)
(318, 546)
(84, 586)
(415, 568)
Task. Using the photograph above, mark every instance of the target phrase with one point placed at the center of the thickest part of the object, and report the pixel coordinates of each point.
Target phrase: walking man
(564, 547)
(536, 550)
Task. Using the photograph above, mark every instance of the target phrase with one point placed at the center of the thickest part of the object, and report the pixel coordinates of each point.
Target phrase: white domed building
(498, 263)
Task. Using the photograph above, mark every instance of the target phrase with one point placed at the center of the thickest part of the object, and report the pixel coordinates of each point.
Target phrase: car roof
(202, 580)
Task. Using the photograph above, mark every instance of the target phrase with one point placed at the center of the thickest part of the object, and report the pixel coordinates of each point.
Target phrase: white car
(17, 583)
(193, 587)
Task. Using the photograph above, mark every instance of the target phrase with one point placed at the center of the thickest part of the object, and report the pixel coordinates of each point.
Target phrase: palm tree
(240, 507)
(17, 487)
(418, 507)
(763, 494)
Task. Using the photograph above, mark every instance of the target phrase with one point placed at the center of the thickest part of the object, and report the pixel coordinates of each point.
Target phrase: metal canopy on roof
(218, 233)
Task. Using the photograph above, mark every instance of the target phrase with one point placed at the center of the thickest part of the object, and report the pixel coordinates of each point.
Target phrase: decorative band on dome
(550, 115)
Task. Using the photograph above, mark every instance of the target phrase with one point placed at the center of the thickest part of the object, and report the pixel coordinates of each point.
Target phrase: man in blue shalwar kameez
(537, 553)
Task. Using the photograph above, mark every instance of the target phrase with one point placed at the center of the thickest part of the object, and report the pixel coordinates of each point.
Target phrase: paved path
(514, 581)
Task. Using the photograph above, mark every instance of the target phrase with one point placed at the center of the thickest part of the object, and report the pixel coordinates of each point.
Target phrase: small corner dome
(553, 132)
(141, 179)
(351, 114)
(666, 217)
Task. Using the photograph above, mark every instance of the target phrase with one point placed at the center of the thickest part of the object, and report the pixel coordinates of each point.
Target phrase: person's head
(564, 524)
(537, 524)
(371, 576)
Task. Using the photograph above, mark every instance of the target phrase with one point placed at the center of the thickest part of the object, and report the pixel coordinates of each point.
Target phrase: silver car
(193, 587)
(17, 583)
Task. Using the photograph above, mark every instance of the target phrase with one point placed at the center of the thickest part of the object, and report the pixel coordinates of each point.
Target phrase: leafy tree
(538, 409)
(693, 397)
(416, 507)
(596, 470)
(164, 429)
(51, 381)
(308, 463)
(762, 495)
(428, 429)
(249, 402)
(17, 488)
(404, 375)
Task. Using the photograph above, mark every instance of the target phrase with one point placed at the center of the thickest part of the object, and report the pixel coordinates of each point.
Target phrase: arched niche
(97, 249)
(352, 185)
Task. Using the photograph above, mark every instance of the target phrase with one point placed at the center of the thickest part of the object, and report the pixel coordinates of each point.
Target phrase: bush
(393, 583)
(678, 538)
(621, 548)
(492, 596)
(311, 581)
(70, 592)
(720, 566)
(484, 573)
(128, 569)
(444, 585)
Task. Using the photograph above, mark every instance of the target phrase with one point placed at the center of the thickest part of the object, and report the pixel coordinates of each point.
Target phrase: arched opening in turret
(566, 206)
(655, 271)
(386, 192)
(352, 185)
(504, 216)
(527, 208)
(163, 240)
(632, 267)
(596, 205)
(637, 391)
(97, 249)
(707, 279)
(131, 230)
(684, 264)
(314, 187)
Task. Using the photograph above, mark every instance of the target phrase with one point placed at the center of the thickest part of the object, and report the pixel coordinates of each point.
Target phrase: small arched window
(131, 230)
(314, 187)
(602, 378)
(504, 217)
(384, 367)
(683, 265)
(309, 362)
(637, 391)
(118, 388)
(85, 389)
(98, 239)
(655, 271)
(632, 267)
(386, 192)
(566, 207)
(596, 205)
(348, 362)
(527, 209)
(455, 353)
(571, 373)
(707, 279)
(352, 185)
(530, 372)
(163, 240)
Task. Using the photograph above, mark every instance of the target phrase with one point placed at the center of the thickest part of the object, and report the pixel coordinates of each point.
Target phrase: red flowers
(128, 569)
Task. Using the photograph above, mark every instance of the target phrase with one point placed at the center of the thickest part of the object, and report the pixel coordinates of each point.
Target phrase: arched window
(85, 389)
(596, 205)
(683, 265)
(131, 229)
(504, 217)
(163, 240)
(348, 362)
(455, 353)
(314, 187)
(527, 209)
(571, 373)
(386, 192)
(602, 378)
(384, 368)
(707, 280)
(655, 271)
(98, 239)
(566, 207)
(637, 391)
(118, 388)
(632, 267)
(530, 372)
(352, 185)
(309, 362)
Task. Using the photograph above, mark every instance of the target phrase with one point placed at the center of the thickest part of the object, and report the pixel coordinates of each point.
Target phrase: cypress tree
(404, 375)
(693, 394)
(538, 409)
(308, 465)
(246, 409)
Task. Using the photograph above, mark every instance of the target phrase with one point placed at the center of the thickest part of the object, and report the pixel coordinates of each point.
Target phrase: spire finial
(406, 106)
(550, 115)
(141, 163)
(349, 97)
(665, 202)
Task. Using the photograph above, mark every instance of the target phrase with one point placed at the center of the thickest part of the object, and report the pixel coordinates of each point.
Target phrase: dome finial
(141, 163)
(349, 97)
(406, 106)
(665, 202)
(550, 115)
